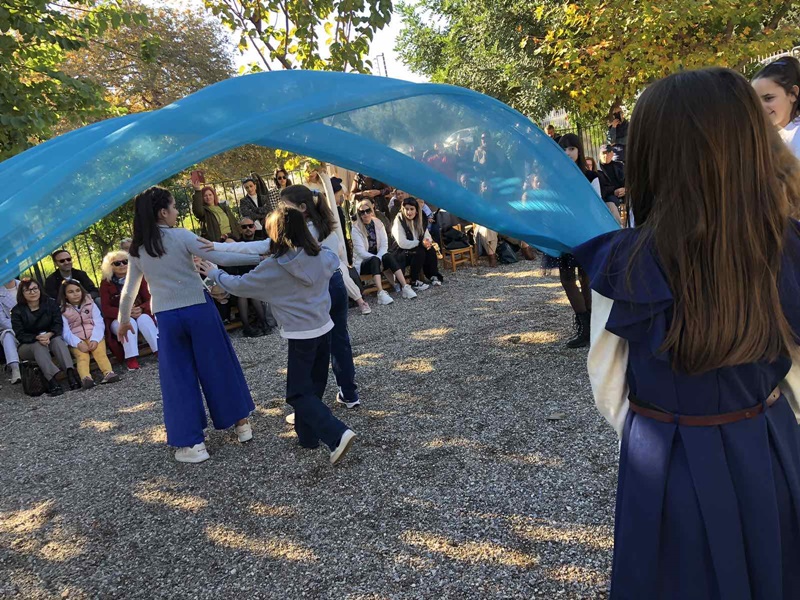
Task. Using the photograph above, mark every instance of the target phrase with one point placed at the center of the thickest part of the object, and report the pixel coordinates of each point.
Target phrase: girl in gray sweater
(194, 348)
(294, 280)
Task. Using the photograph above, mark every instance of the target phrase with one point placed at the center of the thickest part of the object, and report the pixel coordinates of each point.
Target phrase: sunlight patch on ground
(414, 365)
(272, 510)
(530, 338)
(431, 335)
(136, 408)
(560, 300)
(152, 492)
(152, 435)
(366, 359)
(269, 548)
(101, 426)
(533, 458)
(26, 521)
(273, 411)
(599, 538)
(468, 552)
(513, 275)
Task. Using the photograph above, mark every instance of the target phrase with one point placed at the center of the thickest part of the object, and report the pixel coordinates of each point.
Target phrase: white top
(608, 363)
(361, 243)
(400, 236)
(790, 135)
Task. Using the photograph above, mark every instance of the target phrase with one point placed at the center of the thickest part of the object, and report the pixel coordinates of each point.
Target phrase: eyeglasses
(250, 226)
(31, 290)
(366, 211)
(119, 263)
(64, 260)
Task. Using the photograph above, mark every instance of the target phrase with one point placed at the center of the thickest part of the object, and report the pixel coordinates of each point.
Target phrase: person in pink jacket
(83, 332)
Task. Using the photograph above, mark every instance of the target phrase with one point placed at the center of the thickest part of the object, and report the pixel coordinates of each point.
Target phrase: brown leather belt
(702, 420)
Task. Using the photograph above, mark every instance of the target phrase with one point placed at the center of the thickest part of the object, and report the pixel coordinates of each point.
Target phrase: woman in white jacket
(416, 246)
(371, 251)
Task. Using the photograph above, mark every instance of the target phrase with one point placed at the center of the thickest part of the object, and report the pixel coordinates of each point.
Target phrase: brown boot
(527, 252)
(492, 260)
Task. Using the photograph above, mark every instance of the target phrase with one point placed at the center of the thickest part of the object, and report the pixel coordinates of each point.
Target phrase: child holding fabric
(294, 280)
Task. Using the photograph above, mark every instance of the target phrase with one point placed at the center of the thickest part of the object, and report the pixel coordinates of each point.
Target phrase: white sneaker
(420, 286)
(343, 447)
(408, 293)
(244, 432)
(384, 298)
(193, 454)
(290, 418)
(365, 309)
(435, 281)
(340, 399)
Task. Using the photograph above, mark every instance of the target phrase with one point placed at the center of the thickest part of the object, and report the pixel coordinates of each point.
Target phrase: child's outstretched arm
(260, 247)
(256, 284)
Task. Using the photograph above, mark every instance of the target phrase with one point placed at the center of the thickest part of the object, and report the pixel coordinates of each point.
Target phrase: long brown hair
(286, 227)
(709, 191)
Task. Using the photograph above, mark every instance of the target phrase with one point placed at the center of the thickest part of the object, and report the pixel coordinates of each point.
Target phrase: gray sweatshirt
(173, 280)
(296, 287)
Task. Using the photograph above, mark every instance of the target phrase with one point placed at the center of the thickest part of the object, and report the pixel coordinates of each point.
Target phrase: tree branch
(781, 12)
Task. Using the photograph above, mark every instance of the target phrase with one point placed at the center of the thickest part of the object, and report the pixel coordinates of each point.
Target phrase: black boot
(53, 389)
(73, 380)
(582, 326)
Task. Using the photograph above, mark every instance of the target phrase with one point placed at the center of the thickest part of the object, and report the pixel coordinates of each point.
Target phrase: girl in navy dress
(695, 320)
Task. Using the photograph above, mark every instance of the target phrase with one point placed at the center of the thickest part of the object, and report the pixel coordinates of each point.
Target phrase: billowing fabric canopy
(421, 138)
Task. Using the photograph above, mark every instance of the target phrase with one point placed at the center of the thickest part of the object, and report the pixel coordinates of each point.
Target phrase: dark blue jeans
(341, 352)
(306, 376)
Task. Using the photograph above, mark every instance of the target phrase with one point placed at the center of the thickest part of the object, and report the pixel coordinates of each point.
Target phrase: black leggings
(419, 259)
(376, 266)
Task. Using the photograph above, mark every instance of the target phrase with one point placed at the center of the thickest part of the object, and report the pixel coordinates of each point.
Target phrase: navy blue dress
(703, 513)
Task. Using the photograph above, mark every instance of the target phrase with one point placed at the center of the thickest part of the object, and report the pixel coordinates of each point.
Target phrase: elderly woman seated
(115, 269)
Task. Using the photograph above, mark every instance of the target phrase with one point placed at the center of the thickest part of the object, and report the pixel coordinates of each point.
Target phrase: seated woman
(416, 246)
(83, 332)
(37, 324)
(217, 219)
(371, 251)
(8, 300)
(115, 269)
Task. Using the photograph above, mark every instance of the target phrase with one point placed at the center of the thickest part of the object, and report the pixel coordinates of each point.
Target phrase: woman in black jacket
(37, 324)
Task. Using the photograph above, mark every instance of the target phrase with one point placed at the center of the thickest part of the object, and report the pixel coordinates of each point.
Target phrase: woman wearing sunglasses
(115, 269)
(371, 254)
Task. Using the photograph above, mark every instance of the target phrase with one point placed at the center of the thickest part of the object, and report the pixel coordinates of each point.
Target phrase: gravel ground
(458, 487)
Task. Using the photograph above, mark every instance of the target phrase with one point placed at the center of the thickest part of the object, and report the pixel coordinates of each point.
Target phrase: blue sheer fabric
(422, 138)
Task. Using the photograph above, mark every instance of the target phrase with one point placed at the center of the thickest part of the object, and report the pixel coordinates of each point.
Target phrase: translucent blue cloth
(520, 183)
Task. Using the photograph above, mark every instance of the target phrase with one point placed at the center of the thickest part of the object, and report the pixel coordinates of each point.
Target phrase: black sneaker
(73, 380)
(253, 333)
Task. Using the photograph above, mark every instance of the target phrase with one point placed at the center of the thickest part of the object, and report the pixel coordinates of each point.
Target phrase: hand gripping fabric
(421, 138)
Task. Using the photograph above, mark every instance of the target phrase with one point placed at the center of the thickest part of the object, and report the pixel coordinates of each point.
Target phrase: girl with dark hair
(416, 246)
(194, 348)
(36, 321)
(83, 331)
(321, 225)
(281, 180)
(294, 279)
(695, 323)
(778, 87)
(570, 272)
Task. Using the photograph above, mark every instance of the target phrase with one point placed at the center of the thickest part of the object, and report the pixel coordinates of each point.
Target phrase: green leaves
(285, 33)
(35, 92)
